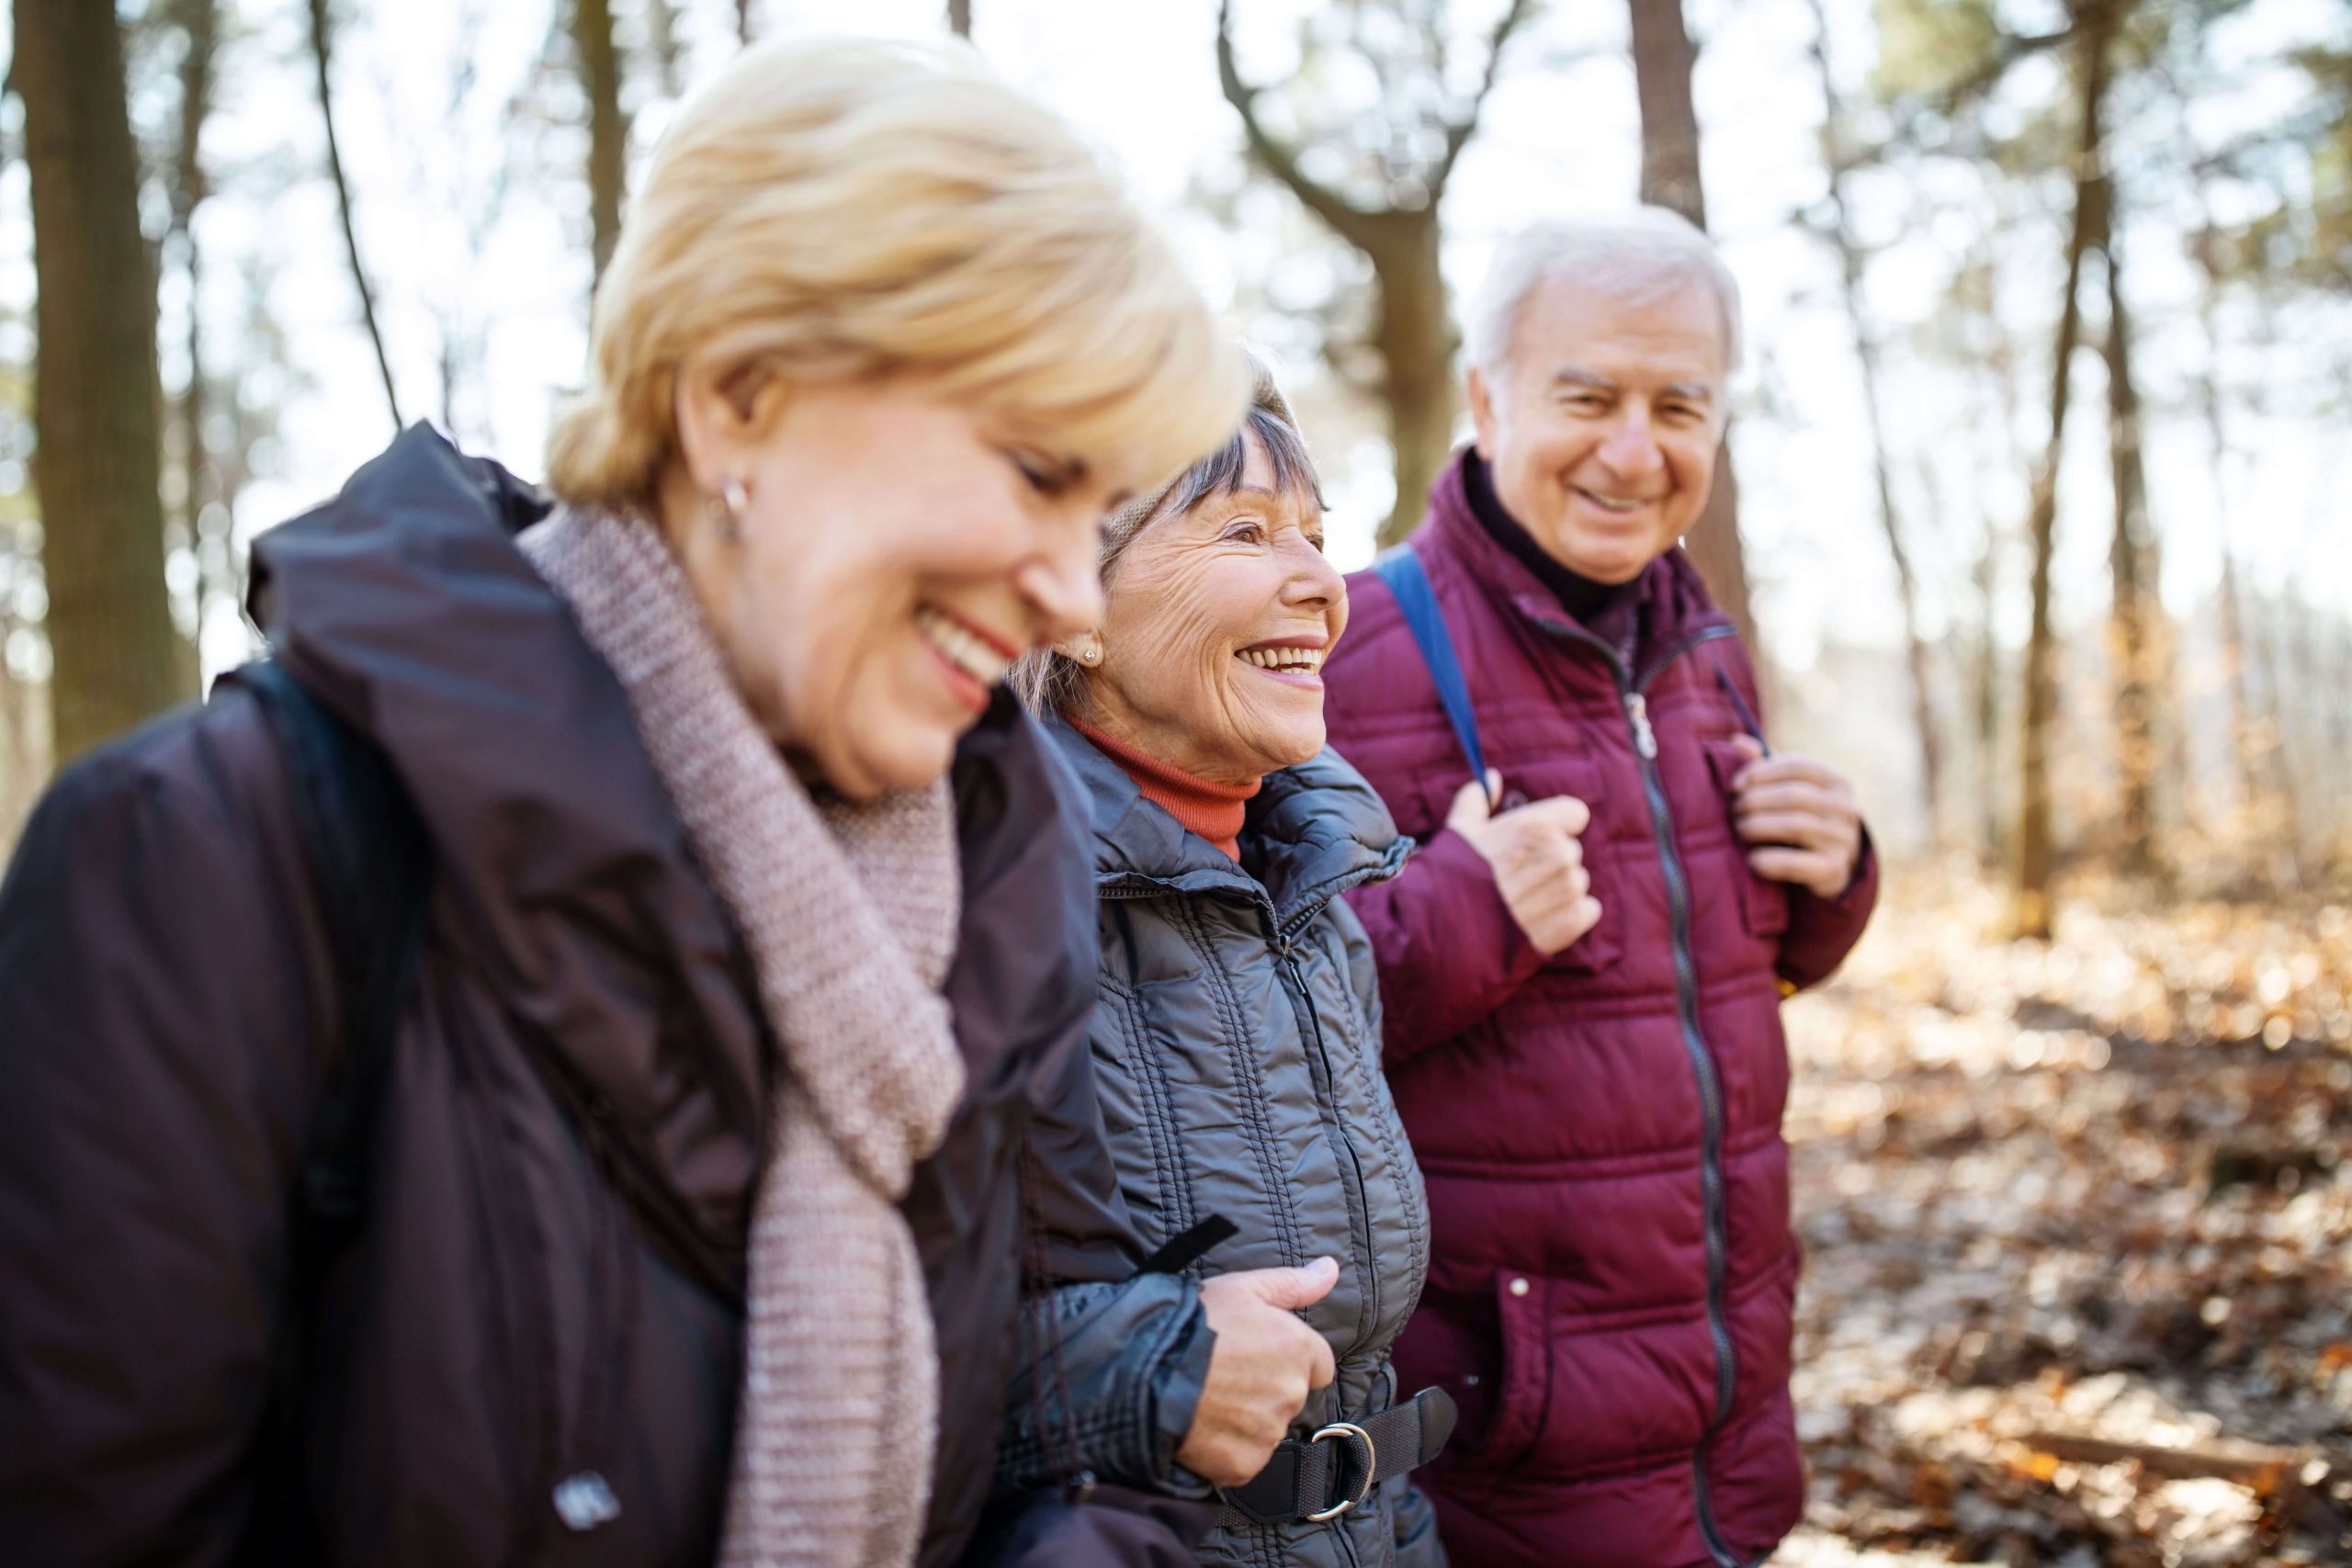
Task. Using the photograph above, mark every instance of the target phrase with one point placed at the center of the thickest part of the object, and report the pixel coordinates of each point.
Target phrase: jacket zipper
(1633, 694)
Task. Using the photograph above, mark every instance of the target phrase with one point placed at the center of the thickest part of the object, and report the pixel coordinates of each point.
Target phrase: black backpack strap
(1401, 569)
(371, 865)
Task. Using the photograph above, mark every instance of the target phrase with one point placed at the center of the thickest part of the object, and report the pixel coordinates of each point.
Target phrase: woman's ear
(1086, 649)
(722, 419)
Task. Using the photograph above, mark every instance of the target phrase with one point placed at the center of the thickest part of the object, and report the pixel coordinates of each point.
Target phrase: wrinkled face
(1214, 636)
(1601, 430)
(894, 555)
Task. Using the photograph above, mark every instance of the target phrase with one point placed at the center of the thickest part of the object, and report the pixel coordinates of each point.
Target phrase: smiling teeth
(1297, 660)
(964, 650)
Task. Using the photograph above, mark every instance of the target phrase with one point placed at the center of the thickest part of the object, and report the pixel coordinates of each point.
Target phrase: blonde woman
(576, 1184)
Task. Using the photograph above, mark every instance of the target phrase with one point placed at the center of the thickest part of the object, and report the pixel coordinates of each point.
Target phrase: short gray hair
(1640, 257)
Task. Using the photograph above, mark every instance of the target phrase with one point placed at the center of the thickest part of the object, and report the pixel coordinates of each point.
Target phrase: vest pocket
(1763, 903)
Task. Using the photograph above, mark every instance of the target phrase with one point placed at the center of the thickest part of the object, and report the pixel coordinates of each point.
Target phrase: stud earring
(727, 508)
(1091, 653)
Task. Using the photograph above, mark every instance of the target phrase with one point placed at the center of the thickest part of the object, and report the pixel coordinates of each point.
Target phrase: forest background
(2041, 525)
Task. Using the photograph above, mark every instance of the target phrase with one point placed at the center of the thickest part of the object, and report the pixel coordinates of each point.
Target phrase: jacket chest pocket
(1763, 904)
(1580, 778)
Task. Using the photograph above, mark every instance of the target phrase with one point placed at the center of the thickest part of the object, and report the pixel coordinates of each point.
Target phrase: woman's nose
(1064, 590)
(1312, 578)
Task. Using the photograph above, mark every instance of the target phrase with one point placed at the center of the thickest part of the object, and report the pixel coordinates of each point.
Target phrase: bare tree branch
(1353, 224)
(319, 26)
(1458, 133)
(1996, 66)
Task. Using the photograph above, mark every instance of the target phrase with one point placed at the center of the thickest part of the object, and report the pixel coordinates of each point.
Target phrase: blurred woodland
(2069, 1128)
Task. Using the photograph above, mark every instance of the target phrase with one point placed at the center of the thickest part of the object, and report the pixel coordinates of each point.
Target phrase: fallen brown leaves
(2076, 1218)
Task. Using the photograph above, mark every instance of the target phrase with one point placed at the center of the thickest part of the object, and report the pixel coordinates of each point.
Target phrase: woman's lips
(960, 682)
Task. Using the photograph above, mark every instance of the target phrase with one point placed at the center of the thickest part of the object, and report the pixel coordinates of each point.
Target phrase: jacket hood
(563, 869)
(1312, 832)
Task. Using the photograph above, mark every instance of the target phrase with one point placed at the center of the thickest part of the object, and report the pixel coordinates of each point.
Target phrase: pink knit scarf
(850, 913)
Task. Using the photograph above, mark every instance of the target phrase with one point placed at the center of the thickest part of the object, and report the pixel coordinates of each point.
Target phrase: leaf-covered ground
(2076, 1218)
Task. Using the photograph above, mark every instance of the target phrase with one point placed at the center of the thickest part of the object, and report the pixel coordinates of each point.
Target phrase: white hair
(1638, 257)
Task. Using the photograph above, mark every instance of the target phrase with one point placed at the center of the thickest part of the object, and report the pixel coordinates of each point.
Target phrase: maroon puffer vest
(1610, 1297)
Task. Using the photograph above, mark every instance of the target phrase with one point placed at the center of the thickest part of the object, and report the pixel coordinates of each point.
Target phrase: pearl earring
(727, 508)
(1091, 653)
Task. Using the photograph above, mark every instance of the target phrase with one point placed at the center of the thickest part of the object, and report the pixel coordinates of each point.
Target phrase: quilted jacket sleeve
(1111, 1386)
(1450, 952)
(156, 986)
(1823, 930)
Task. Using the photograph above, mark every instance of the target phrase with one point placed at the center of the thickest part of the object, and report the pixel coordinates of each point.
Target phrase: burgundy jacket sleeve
(1823, 930)
(1449, 950)
(156, 1000)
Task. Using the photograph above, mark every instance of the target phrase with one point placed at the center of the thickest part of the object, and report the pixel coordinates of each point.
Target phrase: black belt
(1340, 1466)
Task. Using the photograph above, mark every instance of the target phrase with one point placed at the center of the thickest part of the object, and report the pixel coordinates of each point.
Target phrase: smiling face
(893, 555)
(1601, 427)
(1218, 622)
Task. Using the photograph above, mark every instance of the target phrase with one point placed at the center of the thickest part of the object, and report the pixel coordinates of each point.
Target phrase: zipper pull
(1637, 709)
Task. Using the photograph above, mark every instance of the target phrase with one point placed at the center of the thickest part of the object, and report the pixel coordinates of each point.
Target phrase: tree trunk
(1414, 337)
(1662, 58)
(2134, 613)
(2095, 20)
(661, 42)
(743, 21)
(959, 17)
(200, 485)
(600, 81)
(1986, 705)
(319, 56)
(1851, 263)
(97, 465)
(1413, 330)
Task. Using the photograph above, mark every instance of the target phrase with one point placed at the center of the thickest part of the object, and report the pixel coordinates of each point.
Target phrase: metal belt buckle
(1371, 1466)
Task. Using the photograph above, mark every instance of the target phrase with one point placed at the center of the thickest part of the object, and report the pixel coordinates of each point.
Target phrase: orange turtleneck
(1212, 810)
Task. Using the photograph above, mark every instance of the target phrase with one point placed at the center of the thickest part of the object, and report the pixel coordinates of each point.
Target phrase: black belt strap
(1343, 1464)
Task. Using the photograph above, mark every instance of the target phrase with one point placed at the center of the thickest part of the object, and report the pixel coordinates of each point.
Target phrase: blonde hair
(836, 209)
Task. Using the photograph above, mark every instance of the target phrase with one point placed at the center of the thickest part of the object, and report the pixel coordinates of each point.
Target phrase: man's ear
(1482, 412)
(722, 419)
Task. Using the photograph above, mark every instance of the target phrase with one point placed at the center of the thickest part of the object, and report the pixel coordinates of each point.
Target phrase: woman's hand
(1263, 1366)
(1537, 855)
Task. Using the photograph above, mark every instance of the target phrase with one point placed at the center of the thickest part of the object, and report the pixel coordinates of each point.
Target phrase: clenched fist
(1537, 856)
(1264, 1363)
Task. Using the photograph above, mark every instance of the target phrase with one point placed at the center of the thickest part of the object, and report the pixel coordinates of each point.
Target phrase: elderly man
(1583, 968)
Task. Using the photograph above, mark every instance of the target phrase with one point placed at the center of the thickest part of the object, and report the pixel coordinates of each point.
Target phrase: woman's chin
(1293, 745)
(912, 756)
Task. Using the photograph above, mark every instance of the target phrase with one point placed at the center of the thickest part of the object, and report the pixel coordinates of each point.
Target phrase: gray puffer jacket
(1235, 1039)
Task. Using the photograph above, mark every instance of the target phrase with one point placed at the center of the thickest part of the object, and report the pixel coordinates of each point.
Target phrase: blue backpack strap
(1406, 579)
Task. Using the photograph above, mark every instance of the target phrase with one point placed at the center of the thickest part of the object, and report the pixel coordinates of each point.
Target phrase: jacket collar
(1314, 831)
(1674, 602)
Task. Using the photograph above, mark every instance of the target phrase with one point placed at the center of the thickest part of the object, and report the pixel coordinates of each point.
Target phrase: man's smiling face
(1601, 427)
